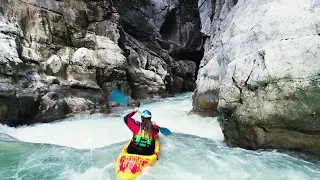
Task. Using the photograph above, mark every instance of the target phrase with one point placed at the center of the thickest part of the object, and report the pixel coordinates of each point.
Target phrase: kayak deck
(130, 166)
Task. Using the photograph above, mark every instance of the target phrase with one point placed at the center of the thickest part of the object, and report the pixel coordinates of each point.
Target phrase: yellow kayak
(130, 166)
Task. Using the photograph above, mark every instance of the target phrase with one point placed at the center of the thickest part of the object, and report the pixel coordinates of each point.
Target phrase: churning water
(87, 147)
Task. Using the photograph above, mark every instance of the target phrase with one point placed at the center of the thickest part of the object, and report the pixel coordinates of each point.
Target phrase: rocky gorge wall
(255, 63)
(260, 72)
(60, 58)
(164, 45)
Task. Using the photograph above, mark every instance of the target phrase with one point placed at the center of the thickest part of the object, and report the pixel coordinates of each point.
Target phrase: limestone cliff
(56, 58)
(164, 45)
(59, 58)
(260, 72)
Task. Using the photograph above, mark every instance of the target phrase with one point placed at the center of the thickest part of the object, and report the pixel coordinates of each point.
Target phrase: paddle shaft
(119, 97)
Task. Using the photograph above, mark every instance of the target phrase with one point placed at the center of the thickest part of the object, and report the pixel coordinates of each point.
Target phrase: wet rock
(260, 74)
(55, 51)
(158, 34)
(56, 54)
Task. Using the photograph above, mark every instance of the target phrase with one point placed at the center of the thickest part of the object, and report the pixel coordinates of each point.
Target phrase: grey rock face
(159, 34)
(185, 75)
(147, 71)
(58, 58)
(206, 15)
(261, 71)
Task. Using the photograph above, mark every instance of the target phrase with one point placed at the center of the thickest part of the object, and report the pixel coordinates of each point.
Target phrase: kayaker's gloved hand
(136, 109)
(135, 103)
(138, 104)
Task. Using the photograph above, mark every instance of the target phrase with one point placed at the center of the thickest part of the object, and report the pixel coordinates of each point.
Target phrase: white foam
(81, 133)
(174, 116)
(99, 131)
(91, 174)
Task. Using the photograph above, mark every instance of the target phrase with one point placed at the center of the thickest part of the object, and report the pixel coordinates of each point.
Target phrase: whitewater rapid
(86, 132)
(86, 147)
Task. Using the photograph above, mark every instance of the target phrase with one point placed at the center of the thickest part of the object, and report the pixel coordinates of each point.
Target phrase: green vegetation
(3, 110)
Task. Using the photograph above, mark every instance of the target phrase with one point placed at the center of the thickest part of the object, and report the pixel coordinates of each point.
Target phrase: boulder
(260, 74)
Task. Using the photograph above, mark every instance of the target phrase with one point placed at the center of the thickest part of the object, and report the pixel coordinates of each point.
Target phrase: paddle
(119, 97)
(165, 131)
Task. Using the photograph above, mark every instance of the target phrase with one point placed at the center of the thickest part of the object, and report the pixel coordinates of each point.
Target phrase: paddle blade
(165, 131)
(118, 96)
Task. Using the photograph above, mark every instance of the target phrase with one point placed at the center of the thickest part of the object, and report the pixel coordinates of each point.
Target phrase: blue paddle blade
(165, 131)
(118, 96)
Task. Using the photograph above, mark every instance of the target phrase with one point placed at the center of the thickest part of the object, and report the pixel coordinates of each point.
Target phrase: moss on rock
(3, 110)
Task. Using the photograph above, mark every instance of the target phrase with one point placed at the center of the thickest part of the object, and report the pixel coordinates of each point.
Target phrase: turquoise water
(86, 148)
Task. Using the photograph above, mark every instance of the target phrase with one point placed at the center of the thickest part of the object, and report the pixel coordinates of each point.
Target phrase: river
(86, 147)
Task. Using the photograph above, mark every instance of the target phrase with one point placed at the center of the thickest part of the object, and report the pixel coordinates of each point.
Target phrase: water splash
(87, 147)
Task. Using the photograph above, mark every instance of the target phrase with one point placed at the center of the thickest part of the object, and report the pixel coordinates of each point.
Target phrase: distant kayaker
(144, 133)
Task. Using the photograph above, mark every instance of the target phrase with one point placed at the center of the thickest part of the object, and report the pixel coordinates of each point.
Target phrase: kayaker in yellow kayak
(144, 133)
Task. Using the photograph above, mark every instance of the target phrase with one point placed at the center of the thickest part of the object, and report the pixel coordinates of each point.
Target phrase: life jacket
(142, 139)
